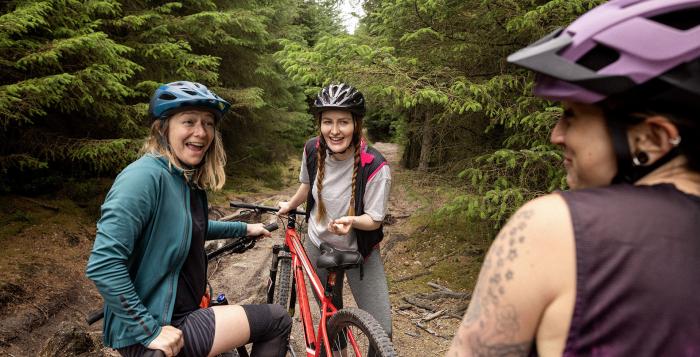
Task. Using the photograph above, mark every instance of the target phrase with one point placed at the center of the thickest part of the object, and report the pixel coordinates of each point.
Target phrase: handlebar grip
(271, 226)
(94, 316)
(153, 353)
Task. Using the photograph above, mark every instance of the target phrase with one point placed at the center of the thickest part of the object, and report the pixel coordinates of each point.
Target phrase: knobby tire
(370, 336)
(283, 284)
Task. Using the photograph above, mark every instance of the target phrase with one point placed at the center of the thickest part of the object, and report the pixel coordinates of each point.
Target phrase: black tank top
(637, 272)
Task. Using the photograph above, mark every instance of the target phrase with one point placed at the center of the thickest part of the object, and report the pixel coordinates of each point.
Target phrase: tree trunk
(427, 143)
(411, 153)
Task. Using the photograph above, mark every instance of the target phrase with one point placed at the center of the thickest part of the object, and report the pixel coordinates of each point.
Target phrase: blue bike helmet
(171, 97)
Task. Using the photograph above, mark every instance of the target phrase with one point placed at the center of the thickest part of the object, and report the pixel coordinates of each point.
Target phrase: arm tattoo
(489, 319)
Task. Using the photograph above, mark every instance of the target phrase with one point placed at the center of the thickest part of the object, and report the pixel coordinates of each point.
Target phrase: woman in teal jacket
(148, 261)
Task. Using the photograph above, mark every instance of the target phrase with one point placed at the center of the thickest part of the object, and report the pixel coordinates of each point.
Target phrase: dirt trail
(418, 332)
(410, 340)
(243, 278)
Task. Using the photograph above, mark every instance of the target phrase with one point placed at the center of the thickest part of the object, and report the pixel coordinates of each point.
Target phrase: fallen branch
(455, 316)
(412, 334)
(413, 300)
(438, 286)
(406, 313)
(446, 294)
(430, 331)
(412, 276)
(433, 316)
(458, 312)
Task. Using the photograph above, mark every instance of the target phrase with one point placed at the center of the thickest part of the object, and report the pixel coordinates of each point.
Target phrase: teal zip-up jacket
(143, 238)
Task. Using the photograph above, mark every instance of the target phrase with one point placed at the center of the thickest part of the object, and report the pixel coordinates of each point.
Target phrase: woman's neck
(342, 156)
(675, 172)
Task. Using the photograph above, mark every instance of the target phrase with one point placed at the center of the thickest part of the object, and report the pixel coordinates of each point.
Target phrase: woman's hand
(257, 229)
(285, 207)
(170, 340)
(341, 226)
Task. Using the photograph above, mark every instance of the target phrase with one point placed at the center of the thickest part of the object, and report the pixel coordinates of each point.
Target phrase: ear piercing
(640, 158)
(675, 141)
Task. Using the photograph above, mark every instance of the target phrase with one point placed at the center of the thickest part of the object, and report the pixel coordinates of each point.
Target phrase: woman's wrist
(352, 219)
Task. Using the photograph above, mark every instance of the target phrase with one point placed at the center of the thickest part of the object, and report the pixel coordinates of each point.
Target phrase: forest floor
(44, 296)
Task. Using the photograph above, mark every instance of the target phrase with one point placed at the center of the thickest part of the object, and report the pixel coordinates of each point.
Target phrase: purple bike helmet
(631, 53)
(616, 47)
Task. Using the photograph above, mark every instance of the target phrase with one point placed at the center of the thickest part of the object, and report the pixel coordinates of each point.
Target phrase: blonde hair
(210, 173)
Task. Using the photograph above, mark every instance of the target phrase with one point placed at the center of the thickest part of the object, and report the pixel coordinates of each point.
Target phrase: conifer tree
(77, 75)
(439, 68)
(62, 86)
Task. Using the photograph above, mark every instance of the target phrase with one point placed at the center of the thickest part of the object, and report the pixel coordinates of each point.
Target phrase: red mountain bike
(344, 332)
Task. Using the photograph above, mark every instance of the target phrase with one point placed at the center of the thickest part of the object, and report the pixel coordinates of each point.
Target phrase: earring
(675, 141)
(640, 158)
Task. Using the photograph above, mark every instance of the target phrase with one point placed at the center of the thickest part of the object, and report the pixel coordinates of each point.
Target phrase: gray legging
(371, 293)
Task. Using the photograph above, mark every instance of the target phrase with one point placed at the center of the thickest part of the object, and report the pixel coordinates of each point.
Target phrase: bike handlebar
(263, 208)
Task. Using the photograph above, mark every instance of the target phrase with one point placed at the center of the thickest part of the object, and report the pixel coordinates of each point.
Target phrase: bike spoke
(352, 341)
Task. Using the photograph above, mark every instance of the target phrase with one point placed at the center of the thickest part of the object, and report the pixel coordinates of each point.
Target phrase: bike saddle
(337, 259)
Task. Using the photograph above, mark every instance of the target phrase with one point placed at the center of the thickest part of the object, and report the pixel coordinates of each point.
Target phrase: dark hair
(684, 115)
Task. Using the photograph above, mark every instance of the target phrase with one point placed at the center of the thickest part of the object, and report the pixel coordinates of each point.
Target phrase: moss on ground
(450, 248)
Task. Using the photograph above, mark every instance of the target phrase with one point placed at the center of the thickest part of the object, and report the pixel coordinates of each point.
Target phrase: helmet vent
(167, 96)
(599, 57)
(684, 19)
(190, 92)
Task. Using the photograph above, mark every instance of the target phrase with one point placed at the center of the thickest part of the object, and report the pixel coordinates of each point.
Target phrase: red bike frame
(301, 266)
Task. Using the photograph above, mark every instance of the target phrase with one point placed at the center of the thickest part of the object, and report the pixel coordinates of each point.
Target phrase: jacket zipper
(183, 242)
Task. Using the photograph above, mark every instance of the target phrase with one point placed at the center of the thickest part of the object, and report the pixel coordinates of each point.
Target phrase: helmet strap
(331, 152)
(631, 168)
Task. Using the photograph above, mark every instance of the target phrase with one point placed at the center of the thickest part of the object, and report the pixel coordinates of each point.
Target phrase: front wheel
(359, 334)
(283, 286)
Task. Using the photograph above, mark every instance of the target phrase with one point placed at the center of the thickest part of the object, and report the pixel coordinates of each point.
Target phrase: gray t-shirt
(337, 182)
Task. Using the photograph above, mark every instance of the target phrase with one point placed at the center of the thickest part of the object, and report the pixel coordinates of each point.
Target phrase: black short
(269, 330)
(198, 329)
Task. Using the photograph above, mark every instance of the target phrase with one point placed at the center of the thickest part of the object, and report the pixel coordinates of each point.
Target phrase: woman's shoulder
(545, 219)
(145, 167)
(545, 208)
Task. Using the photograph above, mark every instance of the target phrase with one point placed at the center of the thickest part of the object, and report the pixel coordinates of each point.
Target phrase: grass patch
(449, 248)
